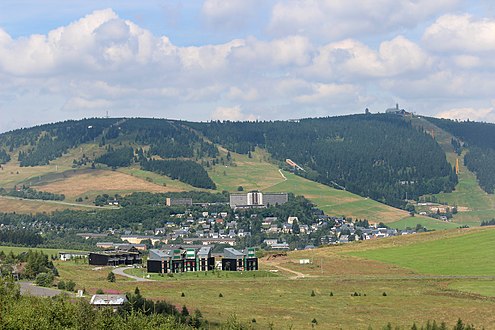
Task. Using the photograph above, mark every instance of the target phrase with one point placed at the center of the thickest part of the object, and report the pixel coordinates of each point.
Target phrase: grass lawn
(212, 275)
(255, 173)
(429, 223)
(17, 250)
(482, 287)
(339, 202)
(467, 254)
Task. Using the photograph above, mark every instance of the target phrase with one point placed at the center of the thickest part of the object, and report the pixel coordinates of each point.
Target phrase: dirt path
(282, 174)
(297, 274)
(120, 271)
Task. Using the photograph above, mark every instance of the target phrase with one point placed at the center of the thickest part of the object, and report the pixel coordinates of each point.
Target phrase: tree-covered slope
(479, 139)
(377, 156)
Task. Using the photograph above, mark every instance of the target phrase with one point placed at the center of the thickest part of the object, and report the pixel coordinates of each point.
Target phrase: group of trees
(482, 162)
(48, 142)
(4, 156)
(120, 157)
(30, 193)
(186, 171)
(379, 156)
(28, 312)
(20, 236)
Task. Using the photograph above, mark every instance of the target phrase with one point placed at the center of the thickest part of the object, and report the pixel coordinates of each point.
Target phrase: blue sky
(244, 59)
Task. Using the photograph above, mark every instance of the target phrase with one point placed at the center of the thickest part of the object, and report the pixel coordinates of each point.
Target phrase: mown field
(467, 254)
(426, 222)
(334, 275)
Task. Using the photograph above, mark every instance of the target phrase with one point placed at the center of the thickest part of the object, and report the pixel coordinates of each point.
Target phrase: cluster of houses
(180, 260)
(177, 259)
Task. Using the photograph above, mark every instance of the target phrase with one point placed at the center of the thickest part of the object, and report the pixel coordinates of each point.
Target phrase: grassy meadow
(334, 275)
(429, 223)
(468, 254)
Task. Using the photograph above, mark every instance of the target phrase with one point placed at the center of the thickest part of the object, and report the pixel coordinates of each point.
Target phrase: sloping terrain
(475, 205)
(462, 252)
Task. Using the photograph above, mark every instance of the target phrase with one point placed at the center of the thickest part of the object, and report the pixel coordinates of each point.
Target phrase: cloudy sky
(244, 59)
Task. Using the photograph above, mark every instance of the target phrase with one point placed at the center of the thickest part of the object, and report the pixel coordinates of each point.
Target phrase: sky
(244, 59)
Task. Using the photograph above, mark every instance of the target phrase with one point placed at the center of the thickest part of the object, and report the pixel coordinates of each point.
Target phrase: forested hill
(378, 156)
(479, 140)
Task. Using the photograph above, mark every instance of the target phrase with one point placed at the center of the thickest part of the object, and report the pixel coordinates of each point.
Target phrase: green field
(428, 223)
(339, 202)
(17, 250)
(479, 286)
(470, 254)
(213, 276)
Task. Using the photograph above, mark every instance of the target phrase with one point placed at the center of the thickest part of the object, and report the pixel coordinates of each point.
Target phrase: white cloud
(480, 114)
(329, 94)
(336, 19)
(461, 33)
(350, 59)
(231, 113)
(231, 14)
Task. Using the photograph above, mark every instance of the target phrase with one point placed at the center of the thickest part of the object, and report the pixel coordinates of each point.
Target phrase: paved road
(28, 288)
(120, 271)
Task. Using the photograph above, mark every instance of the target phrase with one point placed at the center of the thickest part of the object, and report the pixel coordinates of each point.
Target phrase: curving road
(120, 271)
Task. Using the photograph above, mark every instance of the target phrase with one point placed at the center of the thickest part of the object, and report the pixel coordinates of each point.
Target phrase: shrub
(44, 279)
(384, 294)
(61, 285)
(313, 293)
(220, 295)
(70, 285)
(99, 291)
(182, 294)
(111, 277)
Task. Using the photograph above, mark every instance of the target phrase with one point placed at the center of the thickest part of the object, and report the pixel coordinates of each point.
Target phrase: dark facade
(235, 260)
(114, 258)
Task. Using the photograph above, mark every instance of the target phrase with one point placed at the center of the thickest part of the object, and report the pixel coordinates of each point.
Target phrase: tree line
(30, 193)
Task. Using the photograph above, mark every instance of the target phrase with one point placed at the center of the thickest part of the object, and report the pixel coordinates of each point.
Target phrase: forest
(378, 156)
(186, 171)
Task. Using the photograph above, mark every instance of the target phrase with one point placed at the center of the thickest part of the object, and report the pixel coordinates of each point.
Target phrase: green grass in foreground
(469, 254)
(429, 223)
(212, 275)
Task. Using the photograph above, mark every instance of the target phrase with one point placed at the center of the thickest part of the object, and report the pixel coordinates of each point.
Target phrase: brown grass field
(285, 302)
(100, 180)
(34, 206)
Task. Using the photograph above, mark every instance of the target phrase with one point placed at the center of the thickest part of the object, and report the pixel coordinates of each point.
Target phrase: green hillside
(469, 253)
(475, 205)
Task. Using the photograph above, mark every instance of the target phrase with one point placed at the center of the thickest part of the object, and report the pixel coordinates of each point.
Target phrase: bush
(182, 294)
(61, 285)
(111, 277)
(99, 291)
(44, 279)
(313, 293)
(70, 285)
(384, 294)
(220, 295)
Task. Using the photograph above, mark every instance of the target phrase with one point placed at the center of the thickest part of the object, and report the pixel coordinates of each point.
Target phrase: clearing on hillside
(90, 182)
